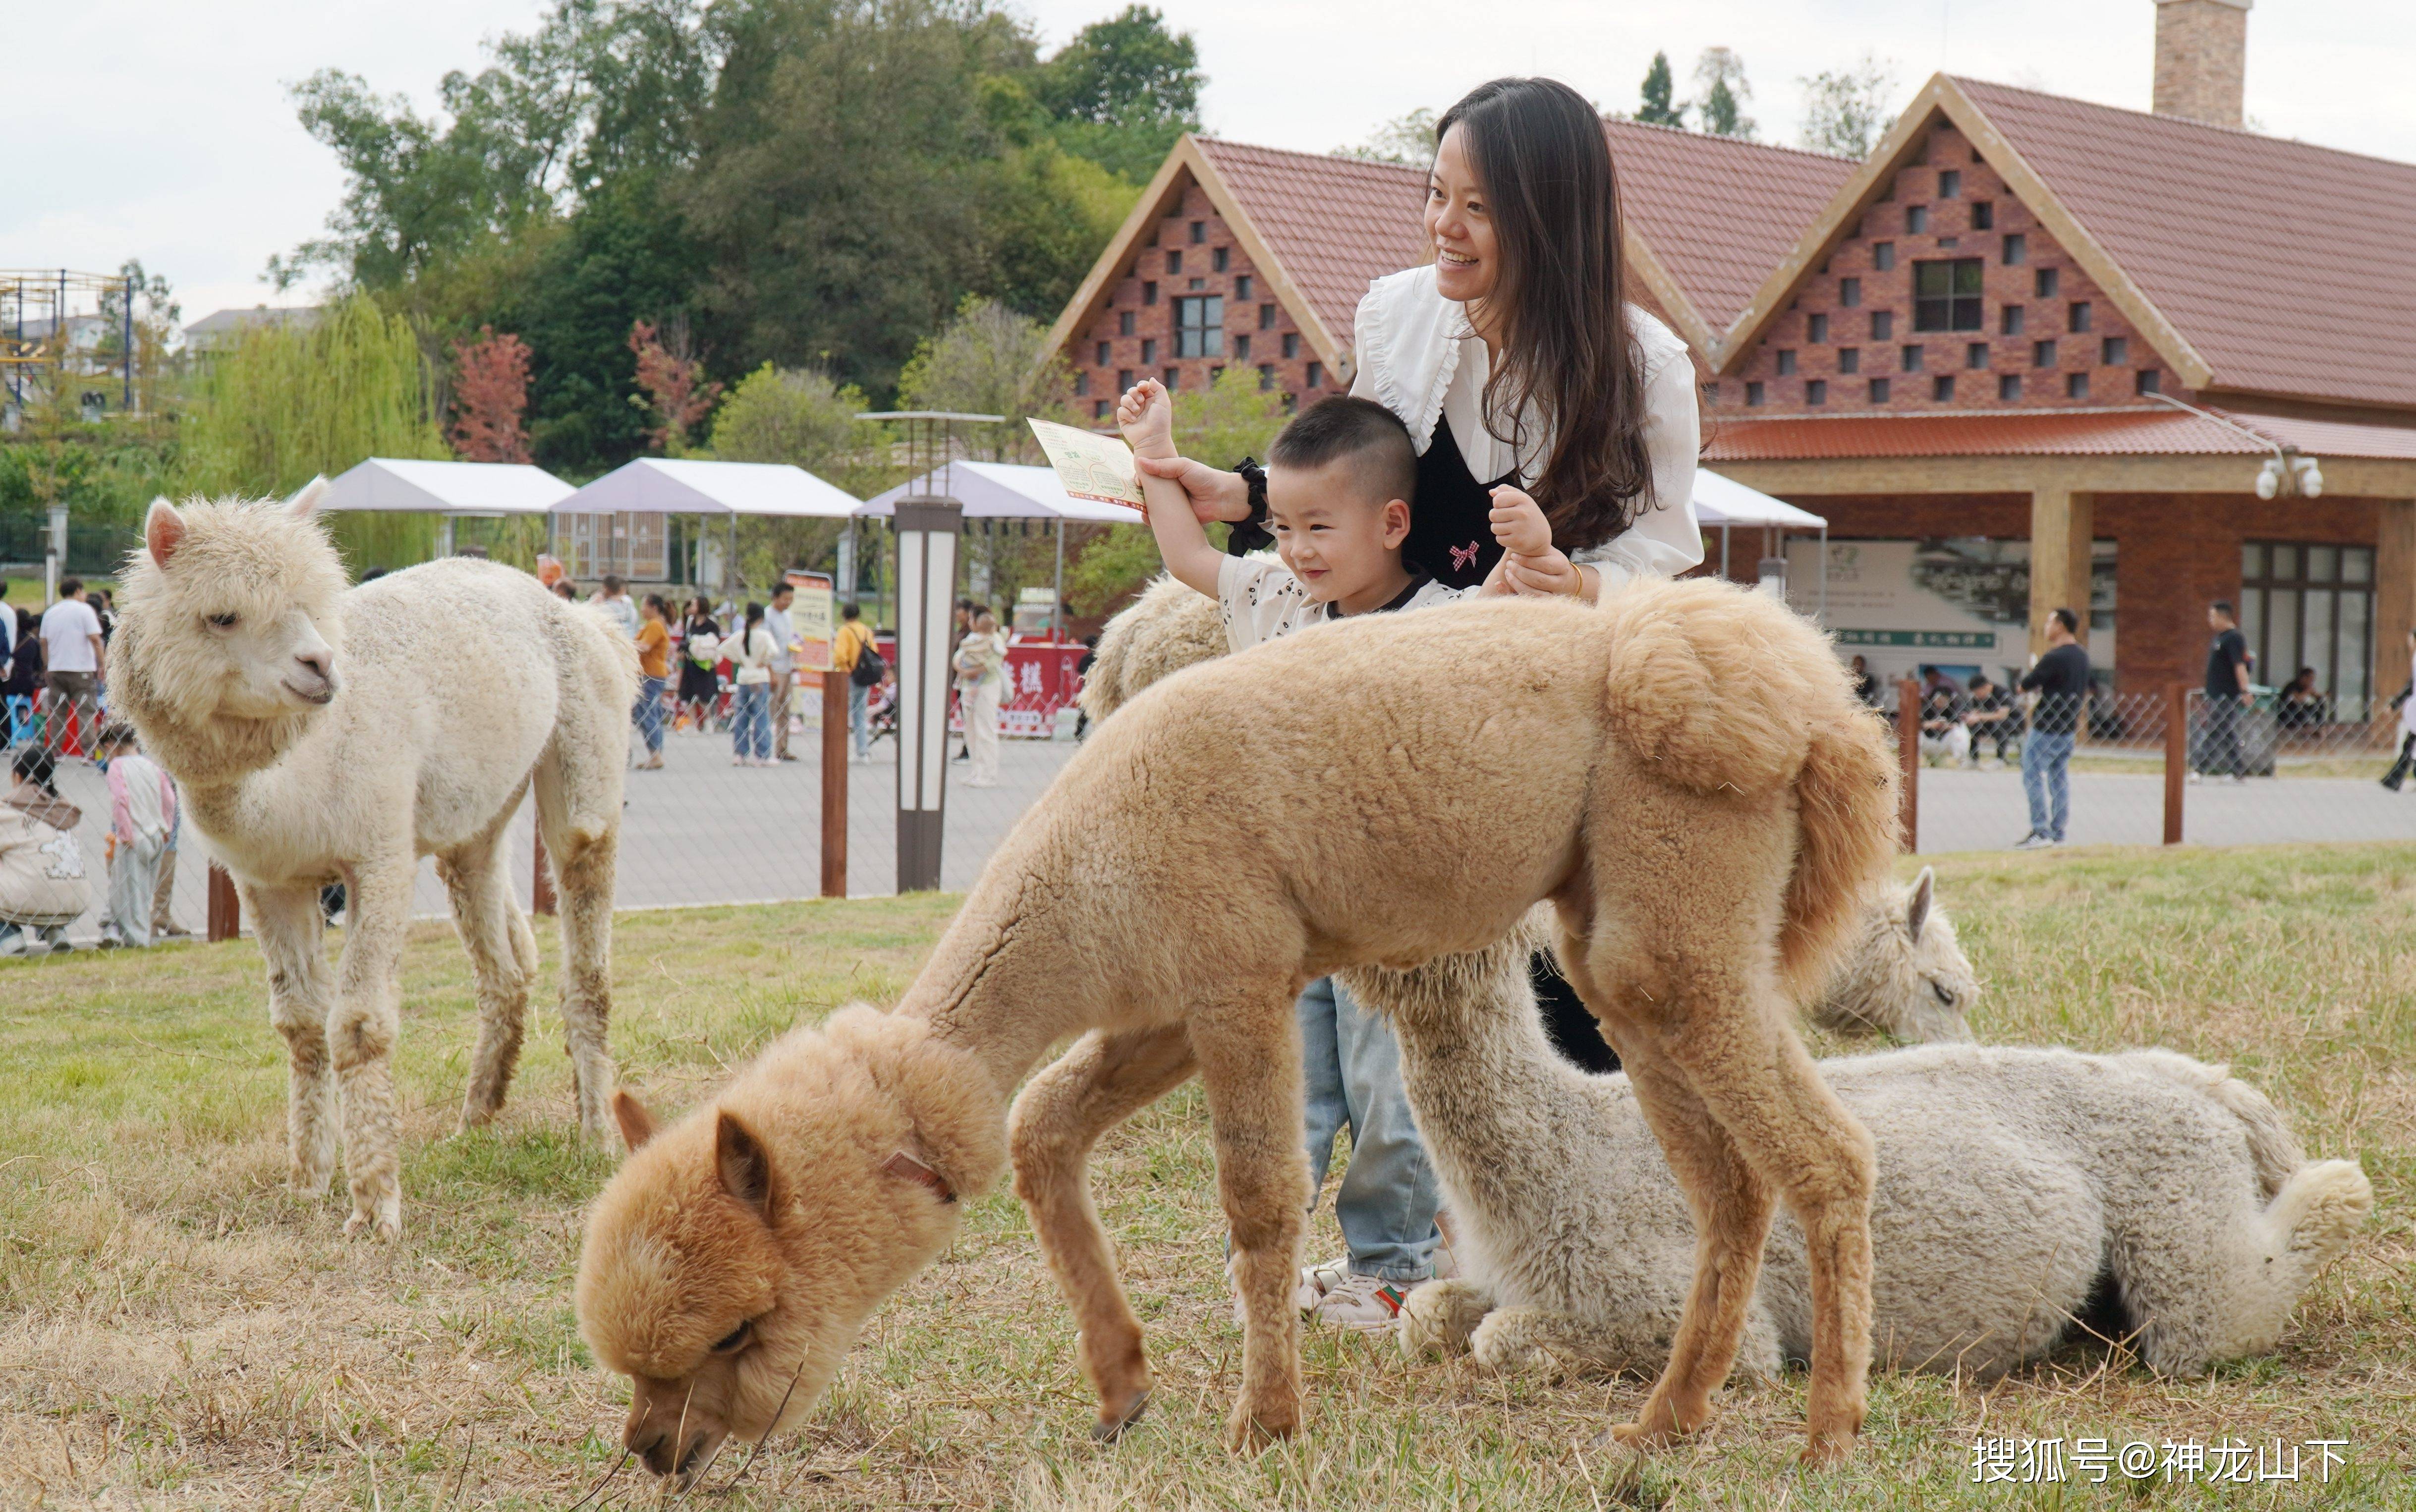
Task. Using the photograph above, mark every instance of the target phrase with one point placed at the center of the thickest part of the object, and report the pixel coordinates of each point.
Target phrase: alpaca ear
(637, 1125)
(163, 531)
(305, 504)
(1916, 913)
(746, 1168)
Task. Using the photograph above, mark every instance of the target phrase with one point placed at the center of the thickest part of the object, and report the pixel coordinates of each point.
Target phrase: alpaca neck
(1007, 980)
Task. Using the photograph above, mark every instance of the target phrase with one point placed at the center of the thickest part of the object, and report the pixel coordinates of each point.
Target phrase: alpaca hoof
(1247, 1432)
(1827, 1450)
(1499, 1346)
(1634, 1436)
(1110, 1426)
(384, 1223)
(303, 1181)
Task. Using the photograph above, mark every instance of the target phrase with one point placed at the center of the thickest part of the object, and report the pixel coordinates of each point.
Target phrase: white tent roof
(680, 486)
(390, 483)
(1004, 491)
(1724, 501)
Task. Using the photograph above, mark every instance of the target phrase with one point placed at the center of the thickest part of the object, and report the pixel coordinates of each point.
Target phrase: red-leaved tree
(490, 396)
(673, 378)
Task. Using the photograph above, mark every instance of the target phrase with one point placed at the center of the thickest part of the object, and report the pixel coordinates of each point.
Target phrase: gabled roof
(2251, 264)
(691, 486)
(415, 484)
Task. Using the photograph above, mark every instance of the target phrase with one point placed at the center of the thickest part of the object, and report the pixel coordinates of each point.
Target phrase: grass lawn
(178, 1331)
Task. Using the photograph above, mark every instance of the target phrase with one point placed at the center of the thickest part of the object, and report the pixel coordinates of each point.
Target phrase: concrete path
(1964, 811)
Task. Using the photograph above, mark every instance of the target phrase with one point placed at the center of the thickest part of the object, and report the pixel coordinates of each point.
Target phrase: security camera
(2310, 476)
(2269, 480)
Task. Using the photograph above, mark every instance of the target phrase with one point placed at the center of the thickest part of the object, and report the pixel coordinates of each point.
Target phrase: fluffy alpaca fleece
(2010, 1180)
(1902, 974)
(1683, 771)
(321, 734)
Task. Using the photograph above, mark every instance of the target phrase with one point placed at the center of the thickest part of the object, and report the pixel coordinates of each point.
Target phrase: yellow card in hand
(1090, 466)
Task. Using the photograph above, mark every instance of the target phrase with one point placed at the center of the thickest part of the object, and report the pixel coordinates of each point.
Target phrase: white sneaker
(1363, 1304)
(2197, 776)
(2032, 841)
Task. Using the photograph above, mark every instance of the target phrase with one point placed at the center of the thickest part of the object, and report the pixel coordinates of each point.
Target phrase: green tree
(1122, 91)
(990, 360)
(1658, 108)
(1408, 140)
(1720, 74)
(1231, 419)
(1846, 112)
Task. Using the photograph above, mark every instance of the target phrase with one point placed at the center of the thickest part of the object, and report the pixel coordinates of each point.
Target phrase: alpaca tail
(1721, 689)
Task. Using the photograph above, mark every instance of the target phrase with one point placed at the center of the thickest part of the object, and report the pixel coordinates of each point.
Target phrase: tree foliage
(1656, 108)
(1720, 74)
(677, 397)
(1122, 91)
(489, 397)
(1846, 112)
(988, 361)
(1408, 140)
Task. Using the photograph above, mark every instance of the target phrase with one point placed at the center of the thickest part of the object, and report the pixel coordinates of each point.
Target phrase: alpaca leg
(582, 840)
(1521, 1338)
(361, 1034)
(1249, 1047)
(488, 919)
(1439, 1317)
(287, 923)
(1103, 1081)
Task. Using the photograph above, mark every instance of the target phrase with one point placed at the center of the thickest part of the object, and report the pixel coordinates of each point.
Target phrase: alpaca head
(228, 637)
(1906, 974)
(730, 1263)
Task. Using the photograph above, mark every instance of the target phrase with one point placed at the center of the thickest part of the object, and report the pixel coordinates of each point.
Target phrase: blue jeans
(2047, 780)
(648, 715)
(1389, 1196)
(750, 721)
(857, 721)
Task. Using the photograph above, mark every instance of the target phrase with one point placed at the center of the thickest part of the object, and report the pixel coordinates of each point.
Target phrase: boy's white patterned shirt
(1261, 600)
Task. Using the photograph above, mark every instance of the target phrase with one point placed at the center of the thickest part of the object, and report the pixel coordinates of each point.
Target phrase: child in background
(1339, 480)
(141, 816)
(43, 884)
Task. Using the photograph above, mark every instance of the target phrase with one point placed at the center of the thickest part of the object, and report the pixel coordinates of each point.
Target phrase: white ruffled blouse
(1418, 357)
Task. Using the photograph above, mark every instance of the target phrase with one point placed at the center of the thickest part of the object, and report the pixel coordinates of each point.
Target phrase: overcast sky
(164, 131)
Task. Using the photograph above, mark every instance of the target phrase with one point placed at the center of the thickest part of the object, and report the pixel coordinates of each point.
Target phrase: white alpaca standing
(2009, 1181)
(321, 734)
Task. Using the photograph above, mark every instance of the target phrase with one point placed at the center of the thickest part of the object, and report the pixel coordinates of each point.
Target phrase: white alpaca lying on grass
(2010, 1181)
(321, 734)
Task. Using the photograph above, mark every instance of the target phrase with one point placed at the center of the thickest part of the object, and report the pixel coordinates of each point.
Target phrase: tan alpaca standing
(1683, 772)
(321, 734)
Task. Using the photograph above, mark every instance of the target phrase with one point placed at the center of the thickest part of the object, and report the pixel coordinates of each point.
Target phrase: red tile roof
(1718, 212)
(2286, 266)
(2126, 432)
(1334, 223)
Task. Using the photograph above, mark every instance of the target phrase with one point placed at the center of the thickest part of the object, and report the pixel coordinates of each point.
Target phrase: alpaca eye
(736, 1340)
(224, 622)
(1945, 995)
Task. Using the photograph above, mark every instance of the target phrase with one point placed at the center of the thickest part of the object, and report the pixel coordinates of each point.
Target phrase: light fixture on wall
(2286, 474)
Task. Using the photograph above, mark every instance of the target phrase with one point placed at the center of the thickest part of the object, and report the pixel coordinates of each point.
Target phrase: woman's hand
(1214, 494)
(1542, 576)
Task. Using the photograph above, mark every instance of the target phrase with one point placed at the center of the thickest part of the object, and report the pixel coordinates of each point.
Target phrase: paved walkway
(1964, 811)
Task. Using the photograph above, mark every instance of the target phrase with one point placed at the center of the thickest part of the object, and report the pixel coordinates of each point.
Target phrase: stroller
(881, 712)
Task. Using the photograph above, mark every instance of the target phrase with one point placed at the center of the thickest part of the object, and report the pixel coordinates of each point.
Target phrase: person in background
(25, 672)
(141, 816)
(1867, 687)
(104, 609)
(784, 666)
(2406, 704)
(699, 687)
(965, 608)
(1990, 716)
(750, 674)
(8, 625)
(2060, 680)
(654, 673)
(2226, 695)
(2299, 706)
(981, 683)
(43, 887)
(1943, 734)
(614, 600)
(847, 656)
(71, 649)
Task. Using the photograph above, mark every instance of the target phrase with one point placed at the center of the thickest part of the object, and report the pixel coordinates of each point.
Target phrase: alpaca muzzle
(671, 1436)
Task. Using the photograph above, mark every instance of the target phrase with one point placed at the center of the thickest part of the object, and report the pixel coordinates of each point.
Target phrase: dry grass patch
(179, 1332)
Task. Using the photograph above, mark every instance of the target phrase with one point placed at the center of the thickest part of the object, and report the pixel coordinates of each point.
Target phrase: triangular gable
(1944, 99)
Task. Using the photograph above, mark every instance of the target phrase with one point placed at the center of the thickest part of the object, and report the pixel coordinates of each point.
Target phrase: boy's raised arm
(1146, 416)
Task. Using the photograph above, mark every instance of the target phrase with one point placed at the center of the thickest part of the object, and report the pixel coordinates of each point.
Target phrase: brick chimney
(2201, 51)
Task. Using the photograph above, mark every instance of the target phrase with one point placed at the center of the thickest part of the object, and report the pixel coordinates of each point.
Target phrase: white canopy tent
(683, 486)
(1007, 490)
(1724, 503)
(413, 485)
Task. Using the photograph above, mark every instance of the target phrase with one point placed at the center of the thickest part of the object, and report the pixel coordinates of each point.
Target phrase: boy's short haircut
(1359, 429)
(111, 736)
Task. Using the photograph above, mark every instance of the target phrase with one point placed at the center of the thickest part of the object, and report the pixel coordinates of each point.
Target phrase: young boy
(142, 816)
(1340, 479)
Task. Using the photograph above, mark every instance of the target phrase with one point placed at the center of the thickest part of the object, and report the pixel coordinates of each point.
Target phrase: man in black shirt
(2060, 680)
(1990, 716)
(2227, 694)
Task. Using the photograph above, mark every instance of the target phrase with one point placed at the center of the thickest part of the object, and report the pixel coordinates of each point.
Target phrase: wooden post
(2394, 603)
(2175, 756)
(2062, 523)
(541, 884)
(1907, 752)
(225, 905)
(835, 744)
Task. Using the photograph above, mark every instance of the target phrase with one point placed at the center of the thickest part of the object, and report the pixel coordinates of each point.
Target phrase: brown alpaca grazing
(1683, 773)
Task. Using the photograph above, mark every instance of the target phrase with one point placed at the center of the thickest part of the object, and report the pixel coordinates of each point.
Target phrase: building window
(1173, 378)
(2075, 386)
(1124, 379)
(1850, 359)
(1082, 385)
(1941, 388)
(2042, 354)
(1950, 183)
(1199, 232)
(1242, 290)
(1199, 327)
(2010, 320)
(1197, 284)
(1817, 329)
(1786, 364)
(1975, 354)
(1983, 215)
(1879, 390)
(2009, 386)
(1241, 347)
(1909, 359)
(1149, 349)
(1883, 255)
(1266, 376)
(1883, 324)
(1946, 296)
(2043, 280)
(1291, 345)
(2017, 249)
(1149, 294)
(1219, 260)
(1316, 375)
(1711, 393)
(1215, 373)
(1267, 317)
(1916, 220)
(1816, 391)
(1752, 393)
(1947, 244)
(2114, 351)
(1849, 292)
(2312, 606)
(2148, 382)
(2077, 318)
(1125, 324)
(1103, 353)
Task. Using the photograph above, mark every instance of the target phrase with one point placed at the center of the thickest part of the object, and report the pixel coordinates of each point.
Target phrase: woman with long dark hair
(699, 681)
(750, 652)
(1514, 359)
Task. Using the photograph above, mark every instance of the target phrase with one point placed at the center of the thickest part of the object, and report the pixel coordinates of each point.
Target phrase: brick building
(2046, 343)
